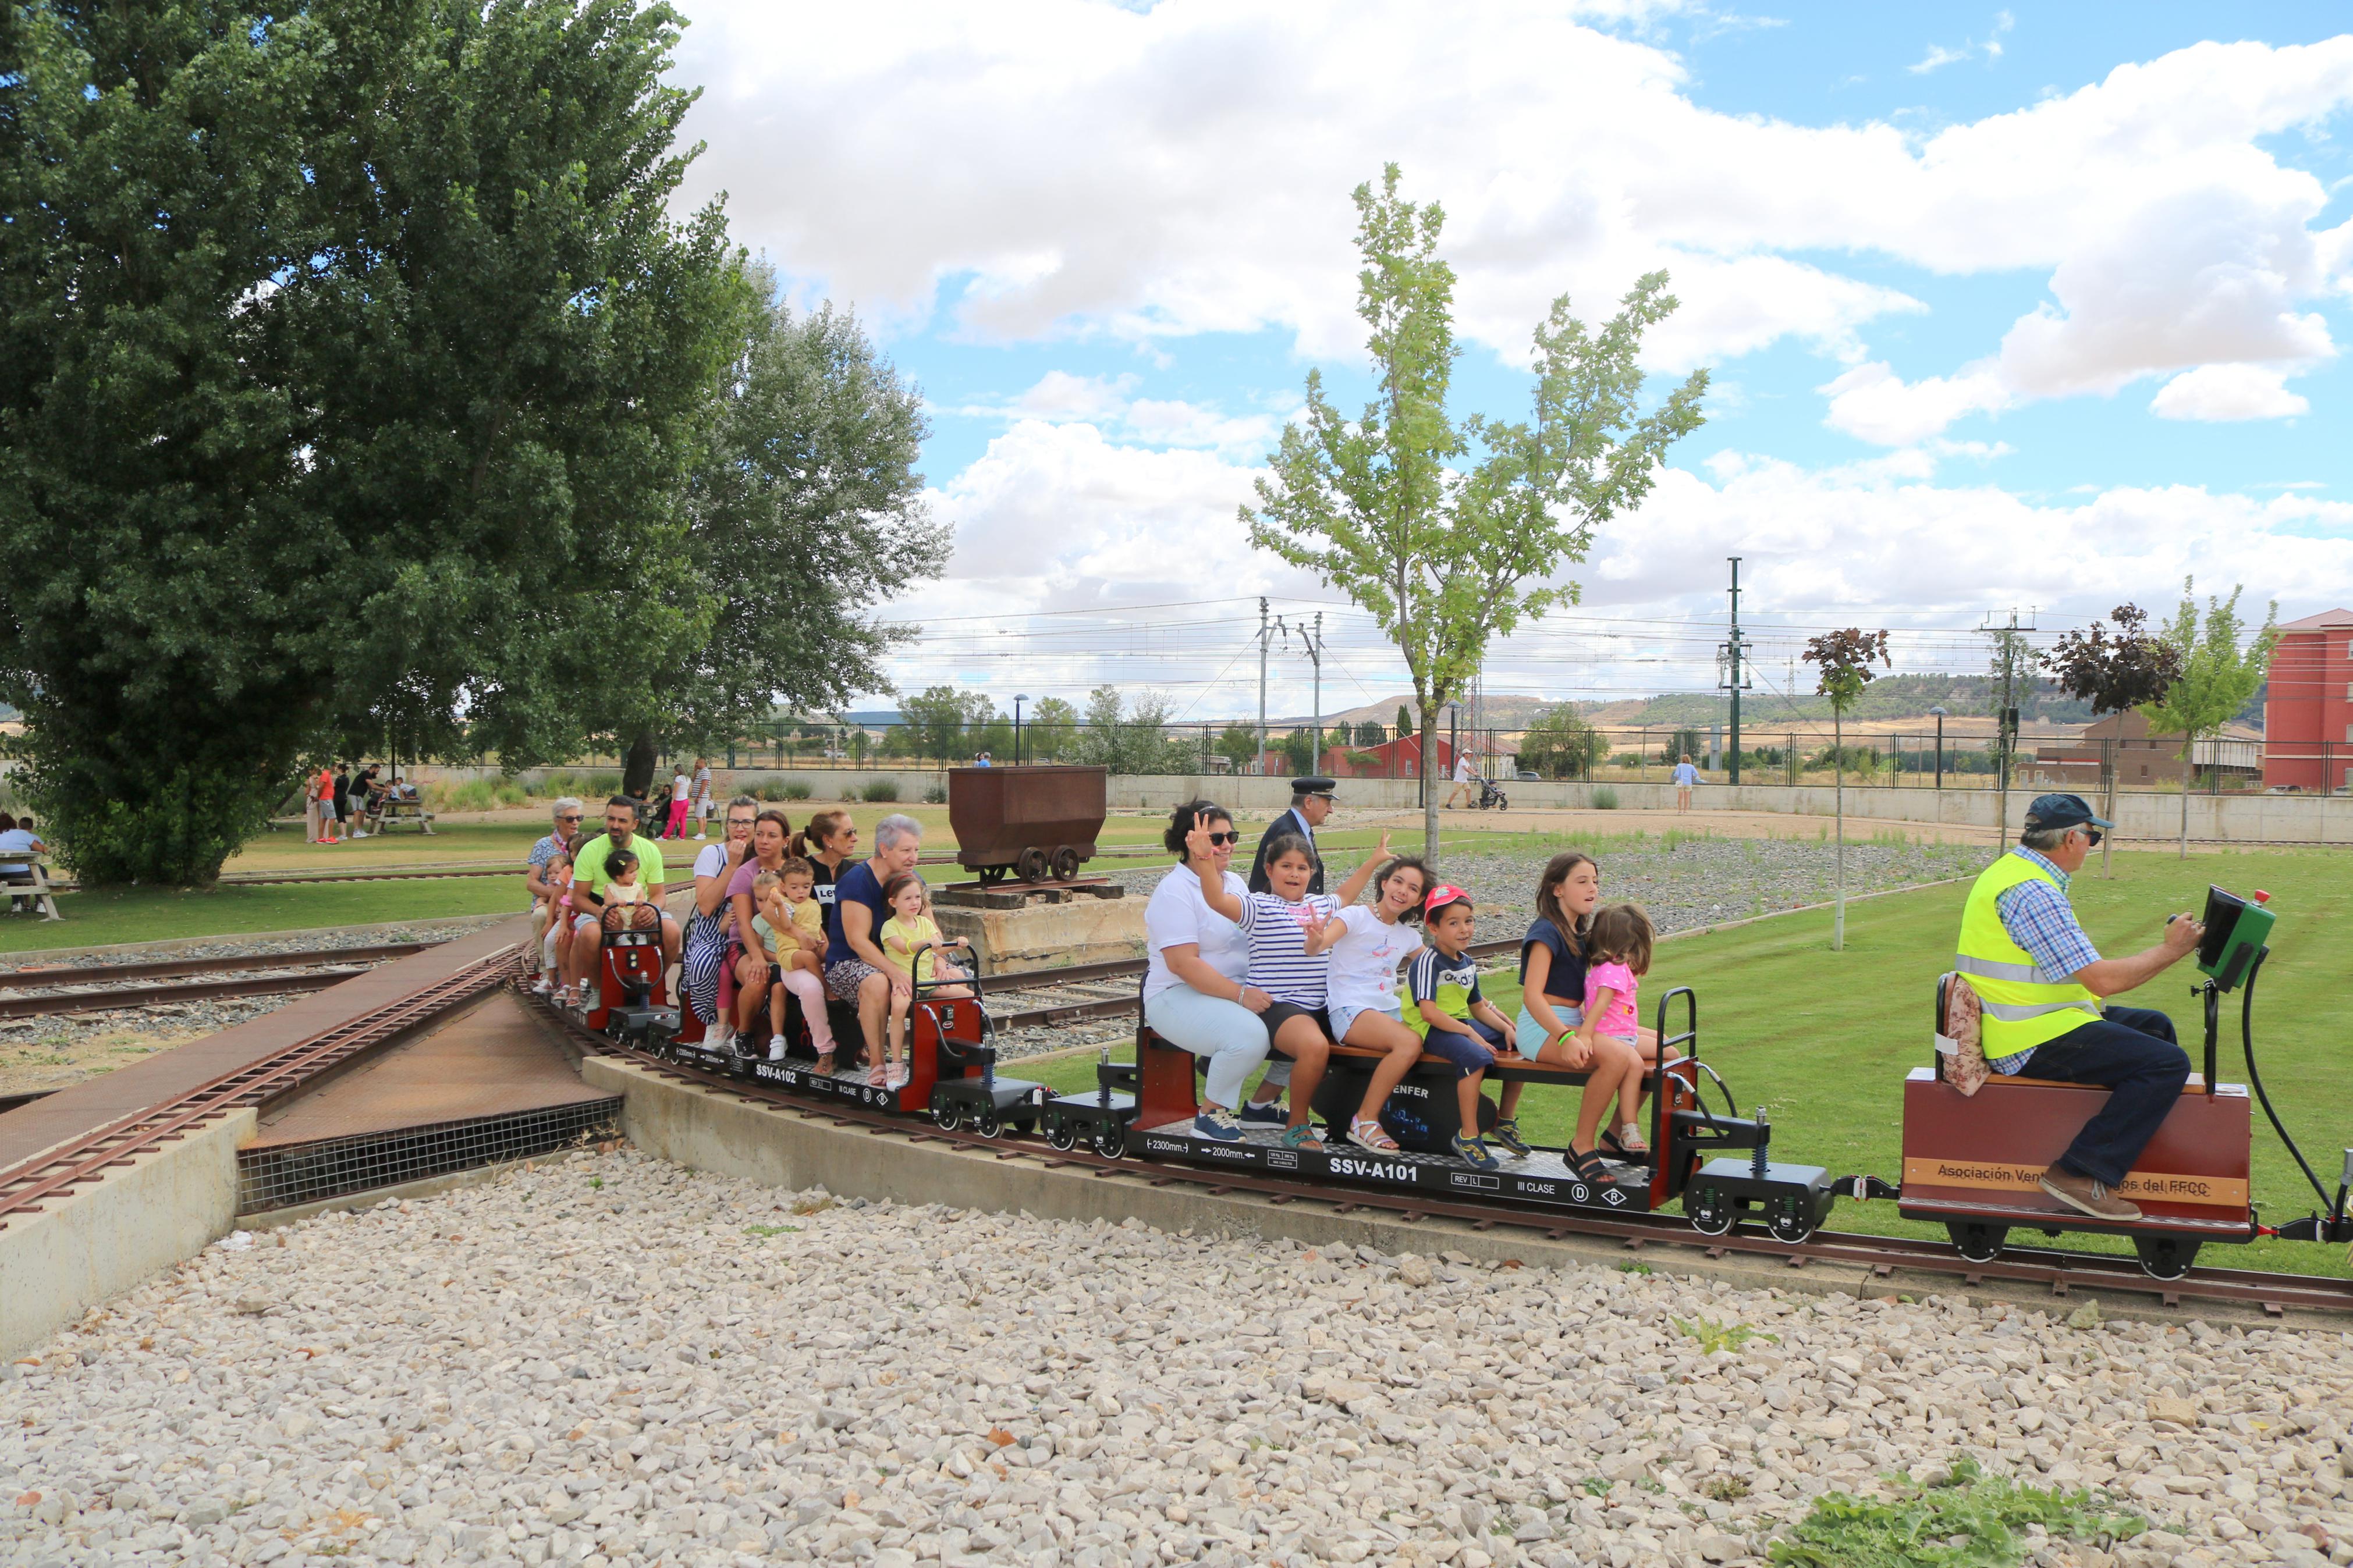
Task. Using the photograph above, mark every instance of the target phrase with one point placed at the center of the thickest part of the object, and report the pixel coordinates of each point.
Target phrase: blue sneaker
(1217, 1124)
(1473, 1154)
(1269, 1115)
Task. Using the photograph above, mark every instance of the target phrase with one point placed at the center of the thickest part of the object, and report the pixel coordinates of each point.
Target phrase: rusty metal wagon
(1035, 823)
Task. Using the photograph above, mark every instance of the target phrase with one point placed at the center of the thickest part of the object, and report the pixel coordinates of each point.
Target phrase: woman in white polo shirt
(1196, 963)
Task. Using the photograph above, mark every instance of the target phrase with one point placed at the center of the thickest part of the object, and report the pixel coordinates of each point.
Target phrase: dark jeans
(2131, 1052)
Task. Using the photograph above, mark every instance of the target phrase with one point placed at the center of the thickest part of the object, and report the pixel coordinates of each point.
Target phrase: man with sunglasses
(2039, 983)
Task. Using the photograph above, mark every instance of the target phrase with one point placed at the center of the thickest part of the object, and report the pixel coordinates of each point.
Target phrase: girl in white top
(1292, 933)
(1376, 938)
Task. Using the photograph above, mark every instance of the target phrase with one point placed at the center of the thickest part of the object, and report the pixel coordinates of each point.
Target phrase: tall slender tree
(1447, 550)
(1844, 658)
(2221, 667)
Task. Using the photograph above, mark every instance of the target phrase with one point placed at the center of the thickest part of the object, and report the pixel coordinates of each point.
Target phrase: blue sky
(2041, 305)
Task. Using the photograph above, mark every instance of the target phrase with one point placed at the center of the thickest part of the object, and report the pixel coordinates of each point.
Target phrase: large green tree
(352, 363)
(805, 513)
(1438, 529)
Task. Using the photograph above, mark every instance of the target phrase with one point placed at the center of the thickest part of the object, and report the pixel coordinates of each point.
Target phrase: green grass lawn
(1824, 1038)
(106, 915)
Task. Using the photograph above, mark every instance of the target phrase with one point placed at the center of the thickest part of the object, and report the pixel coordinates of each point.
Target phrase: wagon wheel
(1061, 1133)
(1066, 863)
(1031, 865)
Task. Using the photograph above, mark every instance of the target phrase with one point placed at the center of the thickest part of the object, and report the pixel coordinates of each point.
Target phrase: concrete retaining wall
(710, 1128)
(102, 1239)
(2248, 819)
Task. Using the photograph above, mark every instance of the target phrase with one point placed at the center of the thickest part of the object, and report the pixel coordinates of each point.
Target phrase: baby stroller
(1491, 798)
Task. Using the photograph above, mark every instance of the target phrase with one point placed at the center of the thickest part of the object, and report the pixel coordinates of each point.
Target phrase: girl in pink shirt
(1619, 947)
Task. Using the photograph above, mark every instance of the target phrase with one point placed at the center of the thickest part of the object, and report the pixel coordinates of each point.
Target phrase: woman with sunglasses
(560, 843)
(1195, 989)
(706, 929)
(829, 841)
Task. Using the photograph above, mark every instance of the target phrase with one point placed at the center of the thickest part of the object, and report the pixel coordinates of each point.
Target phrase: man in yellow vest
(2039, 982)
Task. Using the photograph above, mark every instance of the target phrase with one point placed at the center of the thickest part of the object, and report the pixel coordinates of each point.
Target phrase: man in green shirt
(590, 878)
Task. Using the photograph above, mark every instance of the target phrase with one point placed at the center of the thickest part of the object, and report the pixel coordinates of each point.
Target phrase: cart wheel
(944, 1115)
(1062, 1133)
(1977, 1241)
(1031, 865)
(2164, 1256)
(1111, 1141)
(1790, 1228)
(1066, 863)
(1709, 1212)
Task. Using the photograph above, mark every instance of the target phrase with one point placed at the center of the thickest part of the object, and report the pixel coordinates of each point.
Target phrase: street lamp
(1939, 713)
(1018, 699)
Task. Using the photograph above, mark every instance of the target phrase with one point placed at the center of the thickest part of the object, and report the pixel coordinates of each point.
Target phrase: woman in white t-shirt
(1364, 1007)
(1196, 966)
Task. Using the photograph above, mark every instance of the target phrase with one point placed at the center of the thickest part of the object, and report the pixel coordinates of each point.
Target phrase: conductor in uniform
(1311, 803)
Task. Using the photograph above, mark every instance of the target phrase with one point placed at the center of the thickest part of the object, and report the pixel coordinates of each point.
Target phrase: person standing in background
(1685, 775)
(701, 798)
(322, 790)
(343, 800)
(682, 786)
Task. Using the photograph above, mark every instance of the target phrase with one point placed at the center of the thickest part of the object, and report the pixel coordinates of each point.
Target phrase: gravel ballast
(610, 1358)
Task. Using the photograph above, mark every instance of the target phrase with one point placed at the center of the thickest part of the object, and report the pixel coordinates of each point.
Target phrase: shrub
(476, 795)
(797, 790)
(1605, 799)
(936, 795)
(879, 790)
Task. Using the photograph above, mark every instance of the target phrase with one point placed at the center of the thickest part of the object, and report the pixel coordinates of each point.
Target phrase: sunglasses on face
(2092, 836)
(574, 816)
(1219, 840)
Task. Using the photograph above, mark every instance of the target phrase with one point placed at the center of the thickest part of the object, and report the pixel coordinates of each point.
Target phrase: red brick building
(1397, 759)
(2308, 706)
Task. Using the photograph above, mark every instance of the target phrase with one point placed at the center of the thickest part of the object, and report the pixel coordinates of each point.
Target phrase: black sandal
(1589, 1168)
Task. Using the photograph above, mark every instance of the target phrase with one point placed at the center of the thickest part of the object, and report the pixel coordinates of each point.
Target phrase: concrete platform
(497, 1058)
(83, 1107)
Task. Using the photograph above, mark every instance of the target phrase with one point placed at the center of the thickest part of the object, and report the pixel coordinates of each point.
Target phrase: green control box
(2236, 930)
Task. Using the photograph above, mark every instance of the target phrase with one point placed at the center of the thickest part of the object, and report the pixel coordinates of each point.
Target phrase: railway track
(27, 1186)
(97, 988)
(2058, 1271)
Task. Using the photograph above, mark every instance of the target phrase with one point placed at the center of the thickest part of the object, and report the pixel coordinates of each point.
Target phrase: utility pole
(2005, 720)
(1734, 679)
(1316, 655)
(1264, 630)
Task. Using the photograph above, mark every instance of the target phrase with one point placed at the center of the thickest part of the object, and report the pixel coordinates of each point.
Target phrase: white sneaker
(775, 1048)
(720, 1037)
(540, 986)
(700, 837)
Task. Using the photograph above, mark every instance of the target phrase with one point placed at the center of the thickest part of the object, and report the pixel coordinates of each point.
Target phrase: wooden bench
(34, 886)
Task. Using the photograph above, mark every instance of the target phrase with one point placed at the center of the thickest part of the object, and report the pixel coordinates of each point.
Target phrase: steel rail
(2061, 1272)
(28, 1185)
(122, 997)
(107, 973)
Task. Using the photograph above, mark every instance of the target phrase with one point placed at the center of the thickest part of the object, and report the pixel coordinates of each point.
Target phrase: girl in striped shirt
(1290, 934)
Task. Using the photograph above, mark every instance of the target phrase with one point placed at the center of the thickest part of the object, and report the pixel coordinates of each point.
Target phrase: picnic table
(392, 813)
(33, 889)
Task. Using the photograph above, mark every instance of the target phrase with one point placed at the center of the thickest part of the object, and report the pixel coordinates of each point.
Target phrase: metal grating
(289, 1174)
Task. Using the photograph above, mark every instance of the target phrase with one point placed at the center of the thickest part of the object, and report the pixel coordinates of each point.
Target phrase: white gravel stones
(610, 1359)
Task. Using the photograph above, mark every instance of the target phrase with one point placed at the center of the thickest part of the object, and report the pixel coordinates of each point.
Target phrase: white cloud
(1078, 168)
(1937, 59)
(1108, 403)
(1872, 403)
(1060, 518)
(2219, 392)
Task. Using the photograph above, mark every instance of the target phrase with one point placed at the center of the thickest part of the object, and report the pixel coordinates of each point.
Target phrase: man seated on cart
(2039, 984)
(590, 878)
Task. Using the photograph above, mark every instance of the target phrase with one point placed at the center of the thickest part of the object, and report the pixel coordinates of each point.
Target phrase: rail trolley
(1971, 1163)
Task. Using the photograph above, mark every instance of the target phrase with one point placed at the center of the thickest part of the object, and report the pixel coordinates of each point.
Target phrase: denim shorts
(1530, 1037)
(1469, 1058)
(1345, 1019)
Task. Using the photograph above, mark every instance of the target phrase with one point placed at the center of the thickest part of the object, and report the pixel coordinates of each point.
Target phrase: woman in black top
(1552, 1008)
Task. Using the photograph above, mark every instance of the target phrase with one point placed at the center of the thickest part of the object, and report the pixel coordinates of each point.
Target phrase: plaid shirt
(2039, 919)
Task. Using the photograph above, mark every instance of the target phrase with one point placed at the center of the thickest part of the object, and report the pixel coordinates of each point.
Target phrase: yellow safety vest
(2024, 1007)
